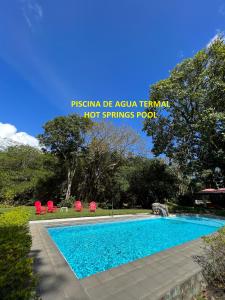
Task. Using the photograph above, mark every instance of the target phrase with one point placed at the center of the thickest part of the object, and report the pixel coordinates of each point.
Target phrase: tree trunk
(70, 176)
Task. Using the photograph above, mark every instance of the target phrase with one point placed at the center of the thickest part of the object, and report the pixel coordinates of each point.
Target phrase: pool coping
(148, 278)
(85, 218)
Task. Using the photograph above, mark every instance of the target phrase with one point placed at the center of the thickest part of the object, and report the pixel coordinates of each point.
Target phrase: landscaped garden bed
(17, 281)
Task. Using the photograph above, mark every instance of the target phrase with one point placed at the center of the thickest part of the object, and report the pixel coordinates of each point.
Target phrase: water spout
(161, 209)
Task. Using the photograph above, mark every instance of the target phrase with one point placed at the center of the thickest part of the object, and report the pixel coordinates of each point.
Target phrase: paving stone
(104, 276)
(136, 290)
(148, 278)
(138, 274)
(143, 288)
(110, 287)
(89, 282)
(128, 267)
(121, 295)
(115, 272)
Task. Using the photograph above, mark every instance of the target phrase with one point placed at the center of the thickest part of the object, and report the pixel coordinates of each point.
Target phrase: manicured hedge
(16, 276)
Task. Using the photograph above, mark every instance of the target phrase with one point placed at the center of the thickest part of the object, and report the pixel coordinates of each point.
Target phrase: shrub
(213, 262)
(105, 205)
(68, 202)
(16, 276)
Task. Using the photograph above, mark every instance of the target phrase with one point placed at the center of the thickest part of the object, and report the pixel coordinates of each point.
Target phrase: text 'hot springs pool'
(90, 249)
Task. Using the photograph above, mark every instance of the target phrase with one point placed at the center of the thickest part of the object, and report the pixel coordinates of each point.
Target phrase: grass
(3, 209)
(85, 213)
(173, 208)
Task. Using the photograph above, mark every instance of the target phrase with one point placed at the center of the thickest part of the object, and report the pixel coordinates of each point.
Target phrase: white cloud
(10, 132)
(32, 12)
(213, 39)
(7, 130)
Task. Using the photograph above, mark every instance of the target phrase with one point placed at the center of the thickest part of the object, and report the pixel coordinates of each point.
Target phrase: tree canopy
(191, 132)
(65, 137)
(87, 161)
(22, 170)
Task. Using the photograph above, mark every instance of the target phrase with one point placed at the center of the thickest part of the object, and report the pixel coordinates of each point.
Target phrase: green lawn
(3, 209)
(85, 213)
(174, 208)
(107, 212)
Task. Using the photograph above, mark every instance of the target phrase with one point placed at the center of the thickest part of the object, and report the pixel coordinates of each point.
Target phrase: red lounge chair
(78, 205)
(39, 209)
(51, 207)
(92, 206)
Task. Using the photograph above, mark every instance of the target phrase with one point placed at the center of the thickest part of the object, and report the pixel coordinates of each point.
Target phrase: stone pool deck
(170, 274)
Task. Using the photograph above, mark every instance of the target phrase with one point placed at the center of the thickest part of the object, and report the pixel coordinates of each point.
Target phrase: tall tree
(66, 138)
(108, 147)
(191, 131)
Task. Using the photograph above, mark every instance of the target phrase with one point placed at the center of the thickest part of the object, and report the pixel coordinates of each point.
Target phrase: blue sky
(55, 51)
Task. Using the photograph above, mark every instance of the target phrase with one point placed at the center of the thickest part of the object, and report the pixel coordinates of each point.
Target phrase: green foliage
(153, 181)
(108, 150)
(16, 277)
(191, 130)
(22, 168)
(65, 137)
(97, 174)
(141, 181)
(68, 202)
(213, 262)
(98, 163)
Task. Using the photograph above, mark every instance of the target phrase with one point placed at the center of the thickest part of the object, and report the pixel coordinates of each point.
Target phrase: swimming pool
(89, 249)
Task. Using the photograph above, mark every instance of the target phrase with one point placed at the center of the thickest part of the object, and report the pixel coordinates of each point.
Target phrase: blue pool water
(90, 249)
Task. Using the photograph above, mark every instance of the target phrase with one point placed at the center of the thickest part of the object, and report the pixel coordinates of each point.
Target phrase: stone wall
(187, 289)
